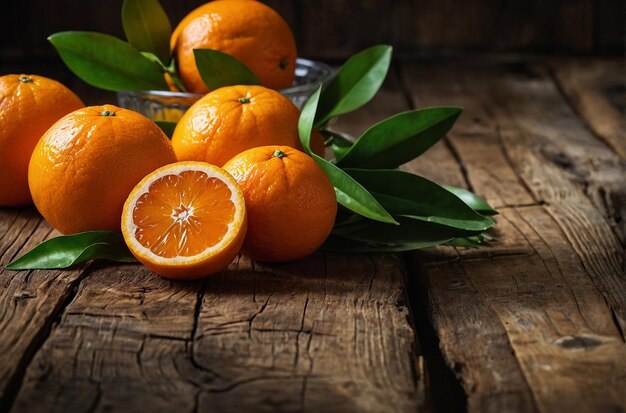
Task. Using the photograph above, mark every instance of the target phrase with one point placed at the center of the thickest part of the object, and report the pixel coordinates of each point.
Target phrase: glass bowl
(170, 106)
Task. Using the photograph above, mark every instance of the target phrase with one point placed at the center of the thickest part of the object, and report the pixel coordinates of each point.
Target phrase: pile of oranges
(232, 179)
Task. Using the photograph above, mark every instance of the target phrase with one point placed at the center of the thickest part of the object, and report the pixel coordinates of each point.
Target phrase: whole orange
(248, 30)
(232, 119)
(87, 163)
(290, 201)
(29, 105)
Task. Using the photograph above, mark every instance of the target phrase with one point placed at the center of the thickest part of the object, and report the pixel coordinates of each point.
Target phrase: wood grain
(553, 291)
(30, 301)
(528, 332)
(596, 89)
(327, 331)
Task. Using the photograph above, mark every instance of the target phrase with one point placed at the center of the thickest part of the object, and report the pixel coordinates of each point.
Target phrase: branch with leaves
(383, 208)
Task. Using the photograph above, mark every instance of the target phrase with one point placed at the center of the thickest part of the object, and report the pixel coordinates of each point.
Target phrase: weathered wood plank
(556, 298)
(121, 345)
(539, 311)
(30, 301)
(596, 88)
(331, 330)
(324, 332)
(522, 111)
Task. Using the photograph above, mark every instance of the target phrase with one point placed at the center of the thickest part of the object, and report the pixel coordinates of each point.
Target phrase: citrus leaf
(414, 233)
(107, 62)
(477, 203)
(219, 69)
(352, 195)
(167, 127)
(69, 250)
(305, 121)
(147, 27)
(355, 84)
(403, 193)
(470, 242)
(349, 192)
(400, 138)
(338, 244)
(338, 142)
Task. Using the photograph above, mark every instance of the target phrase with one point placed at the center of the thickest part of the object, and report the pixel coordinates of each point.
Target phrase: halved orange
(185, 220)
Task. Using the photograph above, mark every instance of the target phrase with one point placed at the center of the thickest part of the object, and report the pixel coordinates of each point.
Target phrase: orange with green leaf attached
(248, 30)
(29, 105)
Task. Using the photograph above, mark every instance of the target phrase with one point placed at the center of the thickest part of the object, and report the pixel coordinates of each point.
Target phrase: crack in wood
(14, 383)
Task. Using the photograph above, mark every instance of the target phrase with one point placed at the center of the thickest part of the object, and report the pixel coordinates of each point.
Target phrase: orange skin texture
(219, 126)
(86, 164)
(198, 11)
(27, 110)
(290, 201)
(199, 269)
(248, 30)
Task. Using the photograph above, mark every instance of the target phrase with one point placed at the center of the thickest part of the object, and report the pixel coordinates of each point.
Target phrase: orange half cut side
(185, 220)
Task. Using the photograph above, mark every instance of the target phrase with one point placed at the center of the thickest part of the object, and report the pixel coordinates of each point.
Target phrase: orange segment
(185, 220)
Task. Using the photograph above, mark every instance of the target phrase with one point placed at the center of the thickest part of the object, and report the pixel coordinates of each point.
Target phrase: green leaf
(166, 127)
(342, 245)
(338, 142)
(147, 27)
(107, 62)
(352, 195)
(69, 250)
(417, 233)
(403, 193)
(349, 193)
(477, 203)
(470, 242)
(307, 116)
(219, 69)
(355, 84)
(400, 138)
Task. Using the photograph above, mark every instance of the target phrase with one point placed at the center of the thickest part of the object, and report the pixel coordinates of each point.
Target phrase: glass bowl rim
(327, 71)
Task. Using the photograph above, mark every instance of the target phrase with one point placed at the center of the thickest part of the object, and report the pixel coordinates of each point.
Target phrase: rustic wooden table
(533, 322)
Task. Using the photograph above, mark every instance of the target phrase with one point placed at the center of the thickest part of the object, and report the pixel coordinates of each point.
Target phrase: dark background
(332, 30)
(335, 29)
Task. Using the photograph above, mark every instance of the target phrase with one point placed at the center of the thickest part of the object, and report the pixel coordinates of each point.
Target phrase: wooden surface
(336, 29)
(532, 322)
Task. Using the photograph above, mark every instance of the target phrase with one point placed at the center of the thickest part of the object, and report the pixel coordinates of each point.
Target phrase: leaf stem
(170, 70)
(173, 72)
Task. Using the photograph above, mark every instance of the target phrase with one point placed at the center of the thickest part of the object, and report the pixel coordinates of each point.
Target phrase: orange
(29, 105)
(198, 11)
(290, 201)
(86, 164)
(185, 220)
(232, 119)
(248, 30)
